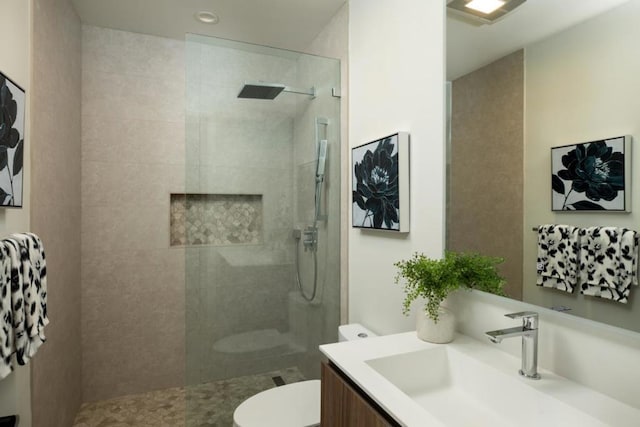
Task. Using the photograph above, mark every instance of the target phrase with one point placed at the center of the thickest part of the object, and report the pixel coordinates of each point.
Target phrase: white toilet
(291, 405)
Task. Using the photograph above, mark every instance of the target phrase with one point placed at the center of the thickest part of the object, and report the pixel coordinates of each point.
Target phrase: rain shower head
(260, 90)
(264, 90)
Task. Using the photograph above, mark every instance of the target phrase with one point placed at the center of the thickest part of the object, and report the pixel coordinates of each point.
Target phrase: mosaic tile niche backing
(215, 219)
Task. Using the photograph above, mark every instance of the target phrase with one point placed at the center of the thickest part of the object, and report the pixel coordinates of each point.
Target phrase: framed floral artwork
(12, 107)
(380, 184)
(592, 176)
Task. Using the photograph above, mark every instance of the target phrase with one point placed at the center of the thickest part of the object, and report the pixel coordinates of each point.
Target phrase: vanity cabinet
(345, 405)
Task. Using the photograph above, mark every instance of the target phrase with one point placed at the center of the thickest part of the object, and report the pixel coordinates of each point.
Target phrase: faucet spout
(498, 335)
(529, 333)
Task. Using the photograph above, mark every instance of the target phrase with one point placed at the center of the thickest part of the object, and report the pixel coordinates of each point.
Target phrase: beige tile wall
(132, 159)
(486, 185)
(55, 205)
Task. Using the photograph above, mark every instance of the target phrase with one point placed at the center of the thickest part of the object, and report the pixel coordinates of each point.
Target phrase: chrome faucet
(529, 333)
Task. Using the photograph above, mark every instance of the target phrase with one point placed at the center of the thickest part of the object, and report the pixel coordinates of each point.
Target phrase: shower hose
(315, 274)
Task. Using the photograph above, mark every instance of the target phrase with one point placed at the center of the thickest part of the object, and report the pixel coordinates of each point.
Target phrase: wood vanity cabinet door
(332, 396)
(343, 406)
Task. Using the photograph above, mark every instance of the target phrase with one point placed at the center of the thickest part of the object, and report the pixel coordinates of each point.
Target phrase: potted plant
(435, 279)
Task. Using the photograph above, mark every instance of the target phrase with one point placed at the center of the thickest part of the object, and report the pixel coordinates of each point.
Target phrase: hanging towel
(20, 338)
(557, 264)
(629, 257)
(23, 299)
(7, 345)
(609, 261)
(38, 318)
(32, 268)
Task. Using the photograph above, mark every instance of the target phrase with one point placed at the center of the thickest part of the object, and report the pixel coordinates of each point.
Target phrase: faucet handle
(523, 315)
(529, 318)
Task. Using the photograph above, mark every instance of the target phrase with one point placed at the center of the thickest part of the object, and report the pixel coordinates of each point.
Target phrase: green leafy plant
(435, 279)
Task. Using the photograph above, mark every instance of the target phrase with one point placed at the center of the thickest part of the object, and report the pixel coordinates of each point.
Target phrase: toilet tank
(353, 331)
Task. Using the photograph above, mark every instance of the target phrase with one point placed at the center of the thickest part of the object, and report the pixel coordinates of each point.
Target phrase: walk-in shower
(259, 302)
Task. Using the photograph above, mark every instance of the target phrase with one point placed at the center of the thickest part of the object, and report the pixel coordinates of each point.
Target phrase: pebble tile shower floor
(210, 404)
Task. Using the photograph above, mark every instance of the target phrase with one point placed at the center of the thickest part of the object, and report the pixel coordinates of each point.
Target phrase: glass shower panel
(251, 188)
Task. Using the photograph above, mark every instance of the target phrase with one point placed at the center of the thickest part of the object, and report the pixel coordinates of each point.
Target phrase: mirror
(544, 76)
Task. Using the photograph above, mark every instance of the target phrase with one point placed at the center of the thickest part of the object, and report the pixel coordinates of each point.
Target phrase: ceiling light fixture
(482, 11)
(485, 6)
(207, 17)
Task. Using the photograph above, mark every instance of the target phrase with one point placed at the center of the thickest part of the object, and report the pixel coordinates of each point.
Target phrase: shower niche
(215, 219)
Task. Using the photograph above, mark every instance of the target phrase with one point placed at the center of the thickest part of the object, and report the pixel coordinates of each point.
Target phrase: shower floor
(210, 404)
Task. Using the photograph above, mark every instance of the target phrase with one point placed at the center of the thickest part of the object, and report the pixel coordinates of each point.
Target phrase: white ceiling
(293, 24)
(470, 47)
(288, 24)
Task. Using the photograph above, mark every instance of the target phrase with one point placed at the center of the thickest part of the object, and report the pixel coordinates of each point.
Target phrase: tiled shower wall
(333, 42)
(55, 91)
(319, 322)
(132, 159)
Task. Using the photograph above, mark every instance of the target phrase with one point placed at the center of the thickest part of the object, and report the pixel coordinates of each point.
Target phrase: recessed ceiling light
(485, 6)
(207, 17)
(480, 12)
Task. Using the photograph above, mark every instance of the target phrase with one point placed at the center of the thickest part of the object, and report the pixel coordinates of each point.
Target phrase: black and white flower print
(589, 176)
(376, 194)
(12, 104)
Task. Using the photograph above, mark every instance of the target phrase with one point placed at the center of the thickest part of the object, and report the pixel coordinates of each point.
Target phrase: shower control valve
(310, 238)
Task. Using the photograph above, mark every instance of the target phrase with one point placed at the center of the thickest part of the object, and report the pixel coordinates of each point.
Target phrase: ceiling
(288, 24)
(470, 47)
(293, 24)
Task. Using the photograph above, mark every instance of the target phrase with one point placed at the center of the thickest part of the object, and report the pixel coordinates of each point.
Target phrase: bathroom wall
(396, 83)
(15, 24)
(132, 159)
(55, 210)
(487, 146)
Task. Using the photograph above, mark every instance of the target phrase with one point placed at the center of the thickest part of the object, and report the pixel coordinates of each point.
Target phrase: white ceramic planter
(439, 333)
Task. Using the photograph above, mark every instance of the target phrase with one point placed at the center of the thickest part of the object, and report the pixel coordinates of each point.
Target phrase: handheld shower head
(321, 158)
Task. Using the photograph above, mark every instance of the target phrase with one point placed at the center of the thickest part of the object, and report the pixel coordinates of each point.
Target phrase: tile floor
(210, 404)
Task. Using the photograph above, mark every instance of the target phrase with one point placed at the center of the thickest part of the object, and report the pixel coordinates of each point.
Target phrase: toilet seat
(291, 405)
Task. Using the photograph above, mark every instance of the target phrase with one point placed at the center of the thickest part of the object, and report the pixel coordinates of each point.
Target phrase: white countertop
(351, 357)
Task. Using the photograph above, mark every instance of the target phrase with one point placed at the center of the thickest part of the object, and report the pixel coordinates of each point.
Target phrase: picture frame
(380, 184)
(12, 130)
(592, 176)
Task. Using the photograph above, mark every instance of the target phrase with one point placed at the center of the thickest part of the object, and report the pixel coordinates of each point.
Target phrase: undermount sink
(460, 390)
